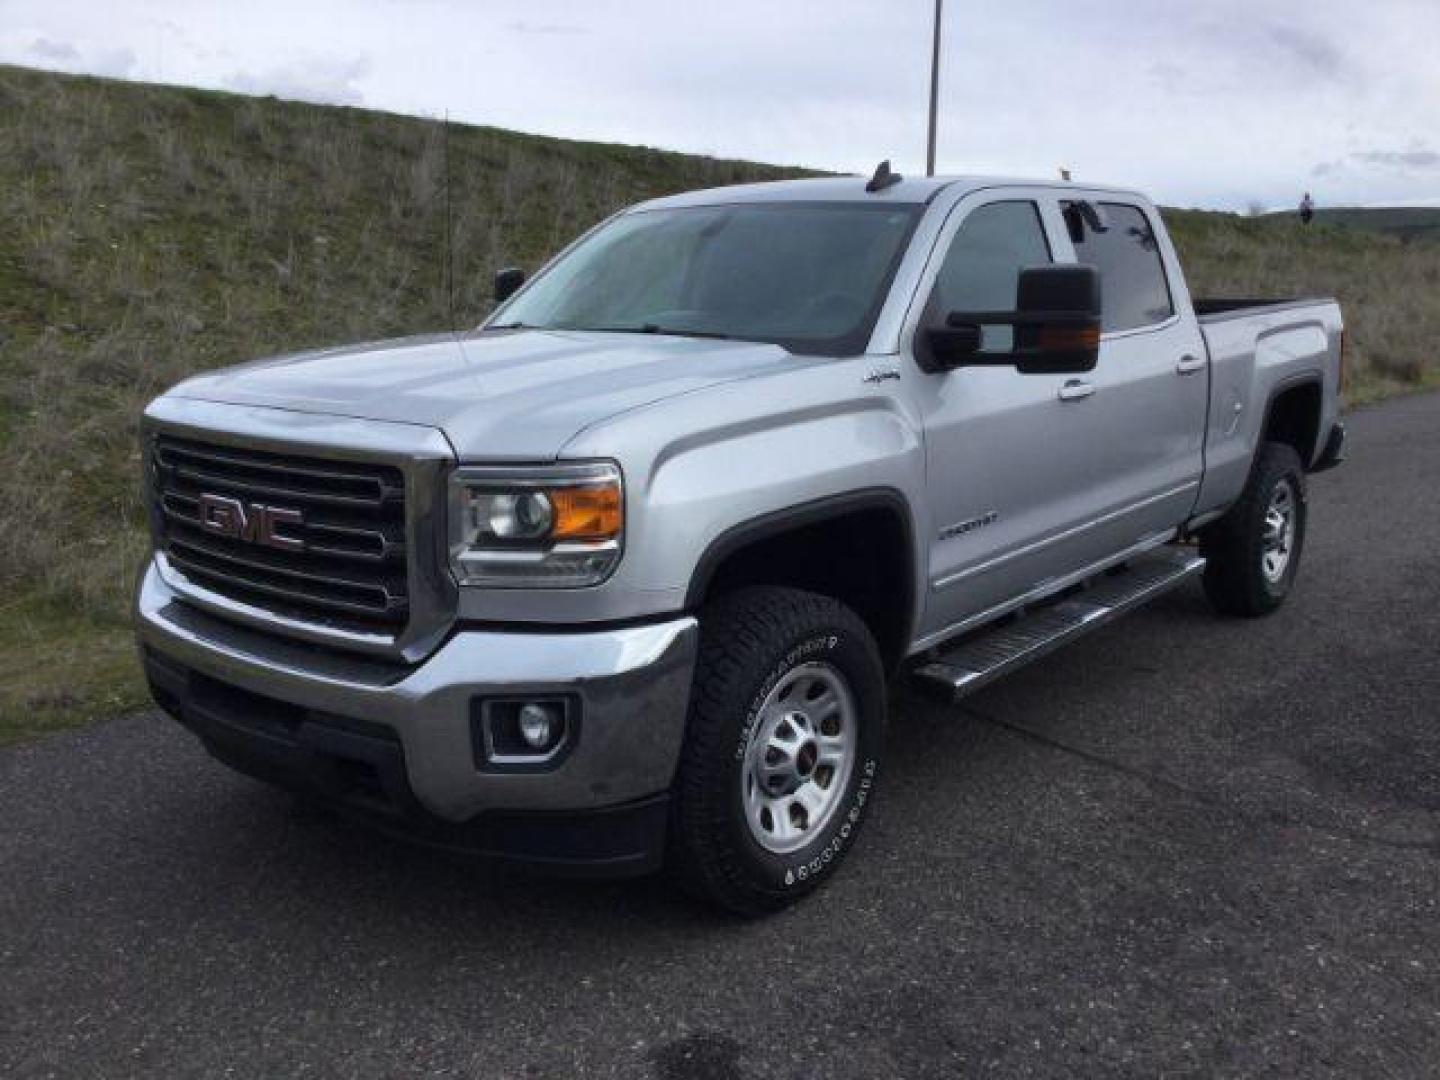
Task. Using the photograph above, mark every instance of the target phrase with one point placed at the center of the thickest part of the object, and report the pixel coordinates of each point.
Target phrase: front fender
(704, 465)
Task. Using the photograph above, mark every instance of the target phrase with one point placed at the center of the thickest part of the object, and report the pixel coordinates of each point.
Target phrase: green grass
(1401, 222)
(1388, 288)
(59, 668)
(150, 232)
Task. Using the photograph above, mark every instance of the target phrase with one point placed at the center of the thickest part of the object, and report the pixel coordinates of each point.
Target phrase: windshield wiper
(650, 328)
(511, 326)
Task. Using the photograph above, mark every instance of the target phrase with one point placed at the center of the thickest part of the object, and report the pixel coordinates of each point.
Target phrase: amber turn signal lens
(1069, 337)
(591, 512)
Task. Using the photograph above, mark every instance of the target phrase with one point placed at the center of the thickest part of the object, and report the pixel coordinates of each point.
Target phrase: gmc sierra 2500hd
(618, 578)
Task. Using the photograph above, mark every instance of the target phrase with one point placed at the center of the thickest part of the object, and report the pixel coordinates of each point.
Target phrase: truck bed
(1259, 349)
(1213, 309)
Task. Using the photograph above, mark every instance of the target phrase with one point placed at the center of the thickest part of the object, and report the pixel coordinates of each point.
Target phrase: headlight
(514, 515)
(539, 526)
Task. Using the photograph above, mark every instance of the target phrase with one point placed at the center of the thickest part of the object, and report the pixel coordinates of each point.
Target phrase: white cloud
(520, 26)
(64, 55)
(1219, 103)
(116, 63)
(45, 49)
(323, 81)
(1403, 160)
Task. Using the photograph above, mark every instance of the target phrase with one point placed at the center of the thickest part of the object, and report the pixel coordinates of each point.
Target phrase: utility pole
(934, 92)
(449, 246)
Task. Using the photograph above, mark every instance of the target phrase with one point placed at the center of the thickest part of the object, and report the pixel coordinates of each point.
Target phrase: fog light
(537, 726)
(523, 733)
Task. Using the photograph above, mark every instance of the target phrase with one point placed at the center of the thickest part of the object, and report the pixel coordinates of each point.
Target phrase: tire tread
(738, 635)
(1233, 580)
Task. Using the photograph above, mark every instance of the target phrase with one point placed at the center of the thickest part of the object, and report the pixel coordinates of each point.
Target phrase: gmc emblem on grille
(254, 524)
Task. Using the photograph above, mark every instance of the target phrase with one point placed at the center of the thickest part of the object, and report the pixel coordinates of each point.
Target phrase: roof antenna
(883, 178)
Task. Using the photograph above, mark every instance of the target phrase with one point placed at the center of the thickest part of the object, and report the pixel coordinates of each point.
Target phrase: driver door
(1011, 459)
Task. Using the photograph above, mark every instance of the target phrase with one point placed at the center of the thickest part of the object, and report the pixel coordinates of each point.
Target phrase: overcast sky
(1205, 102)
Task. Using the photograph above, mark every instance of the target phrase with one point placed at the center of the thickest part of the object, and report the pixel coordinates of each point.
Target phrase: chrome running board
(991, 652)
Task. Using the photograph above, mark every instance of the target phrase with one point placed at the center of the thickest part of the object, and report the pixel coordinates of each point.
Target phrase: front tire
(1253, 553)
(782, 748)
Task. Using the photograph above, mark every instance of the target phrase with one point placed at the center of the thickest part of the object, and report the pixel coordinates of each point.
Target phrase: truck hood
(500, 395)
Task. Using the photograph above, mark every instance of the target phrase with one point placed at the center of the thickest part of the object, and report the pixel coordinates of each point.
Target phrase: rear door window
(1133, 288)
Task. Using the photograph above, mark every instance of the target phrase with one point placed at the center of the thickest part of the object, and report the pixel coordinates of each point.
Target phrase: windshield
(808, 276)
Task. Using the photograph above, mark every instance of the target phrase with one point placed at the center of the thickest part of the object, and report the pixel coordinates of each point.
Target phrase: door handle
(1076, 390)
(1188, 365)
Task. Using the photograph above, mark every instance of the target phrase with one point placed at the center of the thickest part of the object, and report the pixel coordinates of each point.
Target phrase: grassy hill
(1388, 288)
(151, 231)
(1401, 222)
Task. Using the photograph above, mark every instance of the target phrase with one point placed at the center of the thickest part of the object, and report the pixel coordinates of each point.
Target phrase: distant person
(1307, 209)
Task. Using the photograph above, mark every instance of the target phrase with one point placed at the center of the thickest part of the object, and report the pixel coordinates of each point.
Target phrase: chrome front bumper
(632, 683)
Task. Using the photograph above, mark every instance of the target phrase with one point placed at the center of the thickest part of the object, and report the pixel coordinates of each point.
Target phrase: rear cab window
(1133, 287)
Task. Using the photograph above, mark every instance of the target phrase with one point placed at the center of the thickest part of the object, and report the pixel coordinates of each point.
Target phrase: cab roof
(907, 191)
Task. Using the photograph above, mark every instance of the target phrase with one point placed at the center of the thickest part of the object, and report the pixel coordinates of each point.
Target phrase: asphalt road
(1184, 846)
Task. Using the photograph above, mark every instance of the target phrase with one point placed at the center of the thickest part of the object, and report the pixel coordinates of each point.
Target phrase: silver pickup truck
(619, 578)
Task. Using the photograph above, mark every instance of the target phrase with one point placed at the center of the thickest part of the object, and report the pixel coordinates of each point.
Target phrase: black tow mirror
(507, 281)
(1056, 325)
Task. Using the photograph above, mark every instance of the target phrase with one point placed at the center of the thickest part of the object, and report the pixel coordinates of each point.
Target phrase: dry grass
(151, 232)
(1388, 289)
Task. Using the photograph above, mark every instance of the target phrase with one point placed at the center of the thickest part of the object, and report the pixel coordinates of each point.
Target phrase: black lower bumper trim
(358, 767)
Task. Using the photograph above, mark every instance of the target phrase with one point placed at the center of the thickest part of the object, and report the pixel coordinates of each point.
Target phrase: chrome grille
(351, 573)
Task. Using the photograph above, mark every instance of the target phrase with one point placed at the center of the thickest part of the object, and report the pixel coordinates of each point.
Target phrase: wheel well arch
(1293, 417)
(857, 547)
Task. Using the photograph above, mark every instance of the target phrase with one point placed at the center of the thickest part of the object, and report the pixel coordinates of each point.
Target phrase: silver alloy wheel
(799, 758)
(1278, 538)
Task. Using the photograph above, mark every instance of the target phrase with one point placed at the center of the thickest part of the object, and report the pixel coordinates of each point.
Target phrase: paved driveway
(1185, 846)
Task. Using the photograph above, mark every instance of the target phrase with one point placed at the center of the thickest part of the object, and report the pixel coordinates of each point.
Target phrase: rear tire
(782, 748)
(1253, 553)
